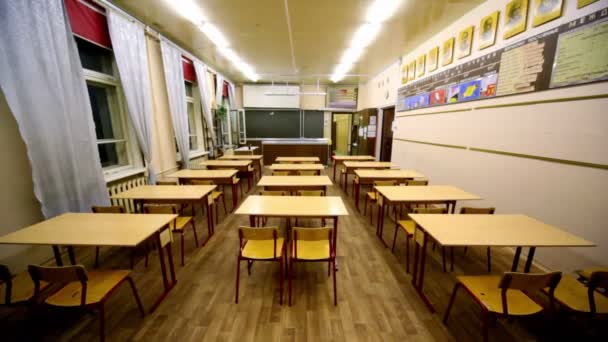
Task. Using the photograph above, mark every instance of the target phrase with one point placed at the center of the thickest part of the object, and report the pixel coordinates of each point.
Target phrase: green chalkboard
(272, 123)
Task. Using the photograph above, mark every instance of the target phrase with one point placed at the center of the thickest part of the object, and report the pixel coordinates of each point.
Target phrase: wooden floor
(376, 301)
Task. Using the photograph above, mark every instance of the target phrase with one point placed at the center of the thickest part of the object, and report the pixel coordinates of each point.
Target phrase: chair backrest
(307, 173)
(528, 282)
(266, 233)
(471, 210)
(286, 162)
(114, 209)
(281, 173)
(310, 193)
(431, 210)
(161, 182)
(61, 274)
(273, 193)
(312, 234)
(597, 279)
(385, 183)
(202, 182)
(160, 209)
(416, 182)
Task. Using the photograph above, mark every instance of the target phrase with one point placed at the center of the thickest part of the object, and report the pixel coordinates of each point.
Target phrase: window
(195, 120)
(114, 136)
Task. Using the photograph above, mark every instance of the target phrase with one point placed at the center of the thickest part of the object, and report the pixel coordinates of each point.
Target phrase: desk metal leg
(57, 254)
(418, 275)
(334, 170)
(72, 255)
(235, 196)
(529, 259)
(167, 286)
(381, 212)
(356, 194)
(335, 242)
(516, 259)
(210, 227)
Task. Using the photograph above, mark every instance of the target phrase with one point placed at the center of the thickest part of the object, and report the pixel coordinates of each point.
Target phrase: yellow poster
(447, 52)
(545, 11)
(583, 3)
(465, 42)
(487, 30)
(420, 65)
(516, 15)
(433, 59)
(411, 70)
(403, 73)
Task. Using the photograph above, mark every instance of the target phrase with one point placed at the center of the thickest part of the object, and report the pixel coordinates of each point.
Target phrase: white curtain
(129, 45)
(43, 82)
(174, 77)
(231, 96)
(219, 89)
(203, 88)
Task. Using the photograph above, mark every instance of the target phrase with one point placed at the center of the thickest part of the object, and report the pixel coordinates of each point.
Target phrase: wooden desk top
(242, 157)
(87, 229)
(216, 162)
(247, 148)
(166, 192)
(367, 164)
(292, 206)
(298, 159)
(295, 181)
(226, 173)
(355, 158)
(495, 230)
(294, 167)
(390, 174)
(424, 193)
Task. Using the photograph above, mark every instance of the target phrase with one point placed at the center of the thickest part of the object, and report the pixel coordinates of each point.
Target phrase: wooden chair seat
(22, 289)
(586, 273)
(181, 222)
(408, 226)
(573, 294)
(486, 291)
(313, 250)
(371, 196)
(262, 249)
(215, 195)
(99, 285)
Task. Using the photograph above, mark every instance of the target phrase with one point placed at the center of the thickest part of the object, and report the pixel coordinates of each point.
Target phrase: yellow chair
(109, 210)
(585, 274)
(313, 245)
(215, 197)
(505, 296)
(416, 182)
(373, 197)
(161, 182)
(409, 228)
(17, 289)
(470, 210)
(81, 288)
(177, 226)
(580, 297)
(307, 173)
(260, 244)
(281, 173)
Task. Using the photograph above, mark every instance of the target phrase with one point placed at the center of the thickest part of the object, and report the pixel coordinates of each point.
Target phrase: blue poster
(470, 90)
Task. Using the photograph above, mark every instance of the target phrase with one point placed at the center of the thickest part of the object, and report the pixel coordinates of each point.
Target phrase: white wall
(381, 90)
(572, 197)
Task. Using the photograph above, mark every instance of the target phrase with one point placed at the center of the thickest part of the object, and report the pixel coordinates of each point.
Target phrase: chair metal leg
(182, 245)
(136, 295)
(290, 277)
(217, 213)
(450, 303)
(102, 323)
(238, 269)
(224, 203)
(407, 253)
(395, 237)
(335, 287)
(489, 254)
(365, 208)
(281, 281)
(194, 230)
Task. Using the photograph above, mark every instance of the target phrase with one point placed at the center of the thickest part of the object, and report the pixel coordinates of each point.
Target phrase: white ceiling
(320, 29)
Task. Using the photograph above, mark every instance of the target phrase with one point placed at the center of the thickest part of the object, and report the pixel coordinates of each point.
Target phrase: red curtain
(225, 89)
(88, 20)
(188, 66)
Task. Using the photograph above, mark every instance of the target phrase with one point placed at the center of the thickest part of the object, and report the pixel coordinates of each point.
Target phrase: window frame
(198, 122)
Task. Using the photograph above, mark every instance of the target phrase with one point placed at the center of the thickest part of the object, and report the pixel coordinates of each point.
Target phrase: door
(386, 145)
(341, 130)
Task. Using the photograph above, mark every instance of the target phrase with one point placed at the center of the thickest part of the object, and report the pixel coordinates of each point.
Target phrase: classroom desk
(338, 160)
(240, 165)
(256, 158)
(305, 160)
(297, 167)
(219, 177)
(295, 183)
(351, 166)
(370, 176)
(173, 194)
(88, 229)
(429, 194)
(293, 206)
(487, 230)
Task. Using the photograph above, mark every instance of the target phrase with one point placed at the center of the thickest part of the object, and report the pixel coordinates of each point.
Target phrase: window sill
(112, 176)
(196, 154)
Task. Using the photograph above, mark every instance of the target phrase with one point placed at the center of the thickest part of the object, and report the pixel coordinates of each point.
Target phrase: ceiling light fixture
(377, 13)
(190, 10)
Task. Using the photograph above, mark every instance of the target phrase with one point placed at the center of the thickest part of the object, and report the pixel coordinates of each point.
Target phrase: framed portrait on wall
(447, 52)
(403, 73)
(465, 42)
(545, 11)
(411, 71)
(516, 18)
(420, 65)
(583, 3)
(433, 60)
(487, 30)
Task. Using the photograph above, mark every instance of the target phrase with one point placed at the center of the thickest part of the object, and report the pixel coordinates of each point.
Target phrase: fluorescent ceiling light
(380, 10)
(351, 55)
(187, 9)
(364, 35)
(214, 35)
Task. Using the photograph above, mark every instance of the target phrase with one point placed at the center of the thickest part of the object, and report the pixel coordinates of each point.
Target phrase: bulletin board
(570, 54)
